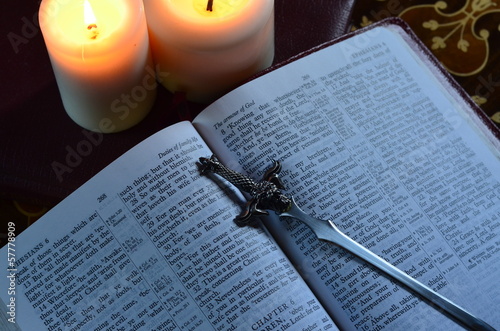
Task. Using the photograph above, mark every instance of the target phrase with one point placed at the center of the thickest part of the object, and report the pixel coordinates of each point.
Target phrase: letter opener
(266, 195)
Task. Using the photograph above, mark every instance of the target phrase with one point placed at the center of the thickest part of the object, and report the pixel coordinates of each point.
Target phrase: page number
(101, 198)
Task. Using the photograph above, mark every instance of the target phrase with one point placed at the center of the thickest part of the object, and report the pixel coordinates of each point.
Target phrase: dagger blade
(266, 195)
(328, 231)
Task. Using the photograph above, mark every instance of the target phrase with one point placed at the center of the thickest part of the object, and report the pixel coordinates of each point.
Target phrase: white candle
(205, 53)
(99, 50)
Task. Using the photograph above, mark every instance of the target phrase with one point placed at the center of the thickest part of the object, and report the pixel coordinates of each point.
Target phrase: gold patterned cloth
(463, 34)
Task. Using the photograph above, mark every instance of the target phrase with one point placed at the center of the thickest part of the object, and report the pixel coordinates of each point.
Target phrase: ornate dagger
(266, 195)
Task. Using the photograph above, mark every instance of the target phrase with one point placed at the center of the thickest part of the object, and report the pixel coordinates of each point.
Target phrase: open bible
(370, 133)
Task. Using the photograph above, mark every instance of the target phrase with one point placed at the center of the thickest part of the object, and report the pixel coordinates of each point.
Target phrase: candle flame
(90, 20)
(88, 14)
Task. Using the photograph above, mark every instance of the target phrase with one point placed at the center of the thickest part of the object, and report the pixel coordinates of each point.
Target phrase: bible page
(150, 244)
(370, 138)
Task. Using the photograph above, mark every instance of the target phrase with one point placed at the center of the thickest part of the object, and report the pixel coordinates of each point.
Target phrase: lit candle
(99, 50)
(205, 48)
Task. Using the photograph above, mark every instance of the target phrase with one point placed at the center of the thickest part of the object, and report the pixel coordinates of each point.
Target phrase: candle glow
(204, 52)
(101, 59)
(90, 20)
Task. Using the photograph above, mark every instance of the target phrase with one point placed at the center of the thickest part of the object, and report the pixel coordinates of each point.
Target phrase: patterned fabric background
(463, 34)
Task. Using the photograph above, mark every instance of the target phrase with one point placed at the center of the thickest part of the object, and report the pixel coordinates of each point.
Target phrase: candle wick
(94, 32)
(209, 5)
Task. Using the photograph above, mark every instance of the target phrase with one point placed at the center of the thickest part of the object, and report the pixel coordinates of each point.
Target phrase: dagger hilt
(264, 195)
